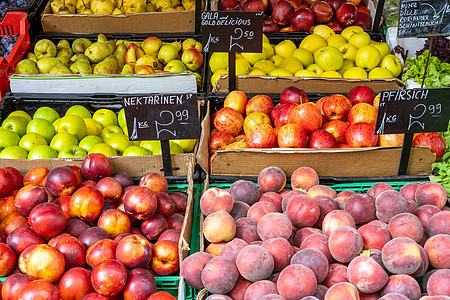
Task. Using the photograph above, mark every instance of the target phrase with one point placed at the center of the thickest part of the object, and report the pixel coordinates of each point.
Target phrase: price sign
(232, 31)
(415, 110)
(420, 18)
(162, 117)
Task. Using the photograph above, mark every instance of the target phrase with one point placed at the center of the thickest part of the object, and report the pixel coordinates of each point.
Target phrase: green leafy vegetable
(442, 167)
(438, 74)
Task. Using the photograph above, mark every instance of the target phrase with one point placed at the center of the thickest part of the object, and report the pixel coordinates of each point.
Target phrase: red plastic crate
(14, 22)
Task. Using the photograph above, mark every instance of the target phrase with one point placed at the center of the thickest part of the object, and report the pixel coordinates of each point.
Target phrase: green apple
(155, 147)
(122, 119)
(105, 117)
(380, 73)
(47, 113)
(92, 127)
(8, 138)
(392, 63)
(16, 124)
(367, 57)
(291, 64)
(119, 142)
(109, 131)
(14, 152)
(167, 53)
(62, 139)
(285, 48)
(31, 140)
(330, 59)
(42, 127)
(103, 148)
(88, 141)
(74, 125)
(265, 65)
(304, 56)
(175, 65)
(355, 73)
(187, 145)
(42, 152)
(20, 113)
(79, 110)
(72, 151)
(55, 124)
(136, 151)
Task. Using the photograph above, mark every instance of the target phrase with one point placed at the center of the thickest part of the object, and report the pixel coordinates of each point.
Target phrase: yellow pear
(102, 7)
(134, 6)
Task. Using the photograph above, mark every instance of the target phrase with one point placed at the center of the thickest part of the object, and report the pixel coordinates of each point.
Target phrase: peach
(259, 209)
(322, 190)
(238, 291)
(304, 178)
(406, 225)
(342, 197)
(13, 284)
(425, 212)
(219, 227)
(114, 221)
(371, 296)
(303, 233)
(379, 223)
(140, 285)
(402, 284)
(219, 275)
(231, 249)
(409, 190)
(11, 222)
(272, 297)
(109, 277)
(271, 179)
(274, 277)
(388, 204)
(374, 236)
(215, 199)
(411, 206)
(100, 251)
(281, 251)
(260, 288)
(39, 289)
(424, 265)
(319, 242)
(154, 181)
(21, 238)
(438, 249)
(45, 262)
(8, 260)
(218, 297)
(313, 259)
(273, 198)
(73, 250)
(240, 209)
(378, 188)
(336, 219)
(214, 249)
(401, 256)
(342, 291)
(92, 235)
(75, 284)
(274, 225)
(336, 273)
(134, 251)
(366, 274)
(394, 296)
(361, 207)
(425, 279)
(288, 196)
(296, 281)
(7, 206)
(191, 269)
(244, 191)
(303, 211)
(247, 230)
(431, 193)
(439, 283)
(154, 227)
(326, 205)
(345, 243)
(439, 224)
(254, 263)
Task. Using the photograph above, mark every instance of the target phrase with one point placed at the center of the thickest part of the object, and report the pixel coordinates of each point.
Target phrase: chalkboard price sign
(420, 18)
(232, 31)
(162, 117)
(415, 110)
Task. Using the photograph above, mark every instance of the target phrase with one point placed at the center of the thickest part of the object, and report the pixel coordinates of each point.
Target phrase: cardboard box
(356, 162)
(271, 84)
(148, 22)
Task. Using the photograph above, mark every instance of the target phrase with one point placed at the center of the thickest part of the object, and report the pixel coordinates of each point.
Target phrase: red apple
(140, 202)
(236, 100)
(323, 12)
(165, 258)
(261, 136)
(363, 20)
(335, 4)
(269, 25)
(322, 139)
(253, 5)
(96, 166)
(110, 188)
(432, 140)
(229, 120)
(281, 12)
(346, 14)
(259, 103)
(336, 107)
(219, 141)
(308, 116)
(47, 219)
(361, 135)
(390, 140)
(362, 112)
(301, 20)
(335, 25)
(86, 204)
(291, 136)
(6, 182)
(361, 93)
(281, 113)
(228, 4)
(294, 95)
(28, 197)
(337, 128)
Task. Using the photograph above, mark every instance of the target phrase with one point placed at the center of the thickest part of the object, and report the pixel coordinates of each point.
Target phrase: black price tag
(420, 18)
(232, 31)
(162, 117)
(415, 110)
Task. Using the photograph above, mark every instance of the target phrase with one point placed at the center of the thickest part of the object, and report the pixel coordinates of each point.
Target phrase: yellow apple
(330, 59)
(359, 39)
(305, 73)
(22, 113)
(42, 127)
(324, 31)
(304, 56)
(265, 65)
(108, 131)
(348, 51)
(256, 71)
(349, 31)
(92, 127)
(331, 74)
(252, 58)
(72, 124)
(392, 63)
(345, 66)
(382, 47)
(313, 42)
(187, 145)
(280, 72)
(217, 74)
(62, 139)
(355, 73)
(105, 117)
(380, 73)
(45, 112)
(285, 48)
(104, 149)
(268, 50)
(336, 40)
(367, 57)
(315, 68)
(291, 64)
(242, 66)
(276, 59)
(218, 60)
(78, 110)
(136, 151)
(119, 142)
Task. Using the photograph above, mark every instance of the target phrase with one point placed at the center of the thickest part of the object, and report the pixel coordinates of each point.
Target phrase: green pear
(64, 55)
(80, 57)
(32, 57)
(102, 38)
(127, 69)
(63, 44)
(80, 45)
(109, 65)
(60, 69)
(45, 64)
(102, 6)
(97, 52)
(120, 51)
(81, 67)
(26, 67)
(45, 48)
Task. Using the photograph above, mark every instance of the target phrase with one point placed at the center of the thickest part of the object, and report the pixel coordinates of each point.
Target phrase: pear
(134, 6)
(62, 44)
(120, 54)
(150, 7)
(71, 5)
(26, 67)
(188, 4)
(163, 4)
(127, 69)
(45, 64)
(130, 55)
(55, 5)
(32, 57)
(83, 4)
(81, 67)
(102, 38)
(109, 65)
(102, 6)
(80, 45)
(63, 10)
(117, 11)
(45, 48)
(64, 55)
(80, 57)
(119, 4)
(60, 69)
(85, 11)
(97, 52)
